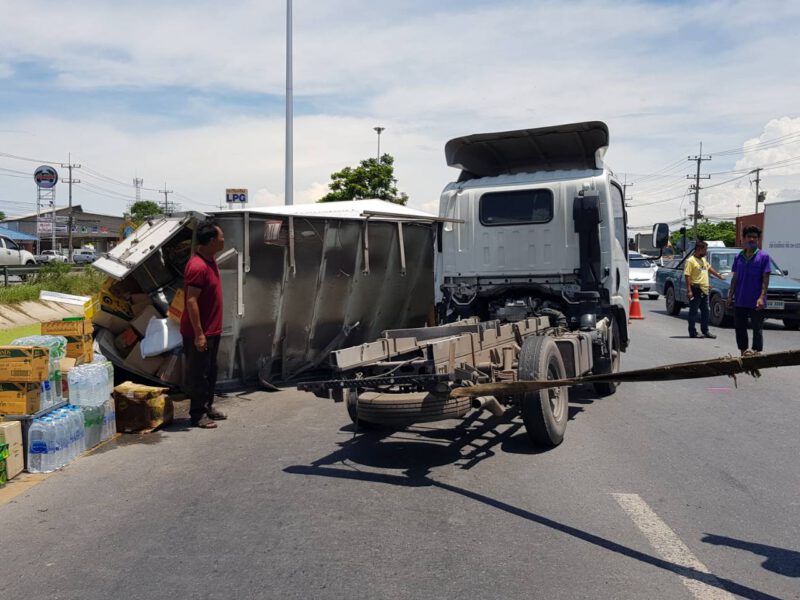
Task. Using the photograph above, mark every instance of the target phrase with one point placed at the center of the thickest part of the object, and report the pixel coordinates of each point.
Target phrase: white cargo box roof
(350, 209)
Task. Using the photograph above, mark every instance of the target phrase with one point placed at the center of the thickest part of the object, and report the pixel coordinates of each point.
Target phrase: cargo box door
(141, 245)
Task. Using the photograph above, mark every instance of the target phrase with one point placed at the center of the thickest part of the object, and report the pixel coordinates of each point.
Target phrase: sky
(190, 95)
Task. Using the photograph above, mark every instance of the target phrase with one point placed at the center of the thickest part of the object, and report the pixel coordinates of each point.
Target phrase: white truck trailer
(781, 236)
(532, 283)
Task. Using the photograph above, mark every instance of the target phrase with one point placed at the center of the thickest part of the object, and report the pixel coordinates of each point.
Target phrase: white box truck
(781, 236)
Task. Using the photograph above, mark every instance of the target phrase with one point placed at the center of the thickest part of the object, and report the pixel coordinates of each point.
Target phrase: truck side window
(516, 207)
(11, 244)
(618, 210)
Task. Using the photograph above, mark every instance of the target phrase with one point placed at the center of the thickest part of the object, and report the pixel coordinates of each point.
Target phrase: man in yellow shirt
(696, 272)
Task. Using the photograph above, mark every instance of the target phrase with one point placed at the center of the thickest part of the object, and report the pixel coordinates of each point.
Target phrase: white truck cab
(540, 226)
(11, 254)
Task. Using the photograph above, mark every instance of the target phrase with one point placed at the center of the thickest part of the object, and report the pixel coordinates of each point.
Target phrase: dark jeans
(740, 317)
(201, 375)
(699, 300)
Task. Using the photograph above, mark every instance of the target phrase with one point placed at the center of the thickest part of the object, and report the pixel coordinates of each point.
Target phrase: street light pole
(379, 130)
(289, 176)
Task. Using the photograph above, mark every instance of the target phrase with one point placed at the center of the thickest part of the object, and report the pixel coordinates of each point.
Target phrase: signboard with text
(235, 196)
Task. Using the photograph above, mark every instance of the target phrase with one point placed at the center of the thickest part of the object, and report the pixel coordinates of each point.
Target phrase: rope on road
(729, 366)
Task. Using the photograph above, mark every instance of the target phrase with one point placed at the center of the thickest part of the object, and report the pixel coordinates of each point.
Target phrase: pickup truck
(12, 255)
(48, 256)
(783, 294)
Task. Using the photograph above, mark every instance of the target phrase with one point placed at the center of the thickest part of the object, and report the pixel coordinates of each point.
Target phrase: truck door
(6, 252)
(619, 252)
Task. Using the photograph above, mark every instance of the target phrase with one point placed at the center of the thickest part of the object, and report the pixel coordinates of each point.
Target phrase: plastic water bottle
(80, 428)
(37, 447)
(62, 441)
(49, 457)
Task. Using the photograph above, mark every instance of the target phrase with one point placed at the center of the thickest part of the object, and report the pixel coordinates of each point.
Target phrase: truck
(48, 256)
(783, 294)
(531, 280)
(11, 254)
(781, 235)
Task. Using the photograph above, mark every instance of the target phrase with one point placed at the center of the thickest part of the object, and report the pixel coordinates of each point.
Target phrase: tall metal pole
(699, 158)
(289, 179)
(70, 181)
(379, 130)
(758, 181)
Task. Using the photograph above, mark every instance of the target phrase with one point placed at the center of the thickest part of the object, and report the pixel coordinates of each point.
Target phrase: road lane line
(666, 542)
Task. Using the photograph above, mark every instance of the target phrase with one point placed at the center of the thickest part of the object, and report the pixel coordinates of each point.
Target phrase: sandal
(216, 415)
(204, 423)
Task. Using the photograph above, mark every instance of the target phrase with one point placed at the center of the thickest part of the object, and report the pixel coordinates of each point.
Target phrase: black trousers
(201, 375)
(699, 301)
(756, 317)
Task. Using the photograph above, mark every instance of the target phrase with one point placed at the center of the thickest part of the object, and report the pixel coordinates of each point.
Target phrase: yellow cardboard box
(177, 305)
(24, 364)
(141, 407)
(80, 347)
(77, 327)
(19, 398)
(111, 303)
(11, 434)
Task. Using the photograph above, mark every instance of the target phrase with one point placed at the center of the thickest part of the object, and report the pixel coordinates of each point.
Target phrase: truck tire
(717, 316)
(399, 410)
(673, 306)
(612, 366)
(545, 413)
(791, 324)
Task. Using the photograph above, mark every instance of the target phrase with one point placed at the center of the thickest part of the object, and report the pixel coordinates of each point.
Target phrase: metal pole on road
(379, 130)
(289, 177)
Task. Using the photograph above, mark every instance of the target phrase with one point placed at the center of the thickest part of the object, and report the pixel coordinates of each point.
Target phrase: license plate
(775, 304)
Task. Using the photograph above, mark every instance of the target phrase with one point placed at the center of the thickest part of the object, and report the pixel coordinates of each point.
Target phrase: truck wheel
(673, 306)
(609, 365)
(717, 309)
(791, 324)
(401, 409)
(545, 413)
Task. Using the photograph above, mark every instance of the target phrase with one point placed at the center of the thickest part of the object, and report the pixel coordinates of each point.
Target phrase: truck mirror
(660, 235)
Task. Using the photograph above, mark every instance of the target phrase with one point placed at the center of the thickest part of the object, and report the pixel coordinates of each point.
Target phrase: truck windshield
(723, 262)
(639, 263)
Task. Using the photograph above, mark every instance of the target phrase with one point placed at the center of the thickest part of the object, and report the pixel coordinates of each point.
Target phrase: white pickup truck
(50, 256)
(12, 255)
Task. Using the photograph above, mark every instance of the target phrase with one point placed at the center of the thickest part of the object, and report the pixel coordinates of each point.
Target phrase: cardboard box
(125, 341)
(113, 323)
(67, 328)
(66, 365)
(172, 370)
(177, 305)
(141, 407)
(140, 322)
(145, 365)
(24, 364)
(140, 307)
(80, 347)
(20, 398)
(112, 303)
(11, 434)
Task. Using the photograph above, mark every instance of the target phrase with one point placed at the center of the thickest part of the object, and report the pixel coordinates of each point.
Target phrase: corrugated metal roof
(17, 236)
(349, 209)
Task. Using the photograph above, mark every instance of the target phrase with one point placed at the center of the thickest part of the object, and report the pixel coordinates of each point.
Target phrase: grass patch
(9, 335)
(54, 277)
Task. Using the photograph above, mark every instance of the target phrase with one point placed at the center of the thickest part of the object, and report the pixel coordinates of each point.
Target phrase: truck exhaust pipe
(489, 403)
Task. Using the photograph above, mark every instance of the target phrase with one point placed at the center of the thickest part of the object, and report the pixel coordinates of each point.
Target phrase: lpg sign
(235, 195)
(45, 177)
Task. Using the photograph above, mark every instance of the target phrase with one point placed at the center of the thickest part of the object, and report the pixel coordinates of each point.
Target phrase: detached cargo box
(298, 281)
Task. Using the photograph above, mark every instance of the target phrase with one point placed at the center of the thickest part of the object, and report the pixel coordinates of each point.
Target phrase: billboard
(236, 196)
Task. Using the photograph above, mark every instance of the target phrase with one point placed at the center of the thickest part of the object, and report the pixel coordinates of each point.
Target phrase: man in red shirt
(201, 324)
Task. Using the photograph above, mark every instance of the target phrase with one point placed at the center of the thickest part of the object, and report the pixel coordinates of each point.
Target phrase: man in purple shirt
(748, 293)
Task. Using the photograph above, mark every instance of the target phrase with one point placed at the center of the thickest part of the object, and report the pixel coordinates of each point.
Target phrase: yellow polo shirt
(697, 271)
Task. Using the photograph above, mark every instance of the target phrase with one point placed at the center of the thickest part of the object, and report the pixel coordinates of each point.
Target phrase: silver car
(642, 274)
(84, 257)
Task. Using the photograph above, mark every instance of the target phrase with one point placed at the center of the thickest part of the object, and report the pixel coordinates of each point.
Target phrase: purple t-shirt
(749, 277)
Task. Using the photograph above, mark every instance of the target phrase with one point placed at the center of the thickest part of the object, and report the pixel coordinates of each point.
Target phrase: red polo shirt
(200, 273)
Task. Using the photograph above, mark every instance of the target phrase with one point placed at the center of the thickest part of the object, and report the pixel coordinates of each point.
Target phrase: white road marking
(671, 548)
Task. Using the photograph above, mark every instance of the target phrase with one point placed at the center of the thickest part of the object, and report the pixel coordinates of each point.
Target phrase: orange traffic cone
(636, 308)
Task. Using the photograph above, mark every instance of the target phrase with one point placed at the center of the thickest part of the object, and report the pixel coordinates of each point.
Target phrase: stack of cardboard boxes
(22, 371)
(11, 436)
(125, 312)
(141, 407)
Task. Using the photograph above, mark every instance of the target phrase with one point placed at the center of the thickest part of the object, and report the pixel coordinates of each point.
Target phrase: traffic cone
(636, 308)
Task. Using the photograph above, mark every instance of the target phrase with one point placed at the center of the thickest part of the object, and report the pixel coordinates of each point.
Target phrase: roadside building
(24, 240)
(88, 229)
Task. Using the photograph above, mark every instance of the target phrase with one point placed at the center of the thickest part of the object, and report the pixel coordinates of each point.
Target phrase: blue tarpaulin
(17, 236)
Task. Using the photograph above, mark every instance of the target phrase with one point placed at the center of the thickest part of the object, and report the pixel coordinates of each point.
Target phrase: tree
(373, 178)
(725, 231)
(143, 210)
(2, 216)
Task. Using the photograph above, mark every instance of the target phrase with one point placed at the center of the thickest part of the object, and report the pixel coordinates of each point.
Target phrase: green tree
(2, 216)
(372, 178)
(725, 231)
(143, 210)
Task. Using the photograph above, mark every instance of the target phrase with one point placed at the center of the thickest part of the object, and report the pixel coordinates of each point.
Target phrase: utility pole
(737, 210)
(289, 176)
(165, 191)
(70, 181)
(379, 130)
(758, 182)
(696, 187)
(625, 187)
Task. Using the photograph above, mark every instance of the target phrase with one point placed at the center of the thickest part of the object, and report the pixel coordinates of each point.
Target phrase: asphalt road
(676, 490)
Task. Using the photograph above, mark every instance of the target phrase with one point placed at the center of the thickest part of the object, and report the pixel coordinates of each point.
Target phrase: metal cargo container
(298, 281)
